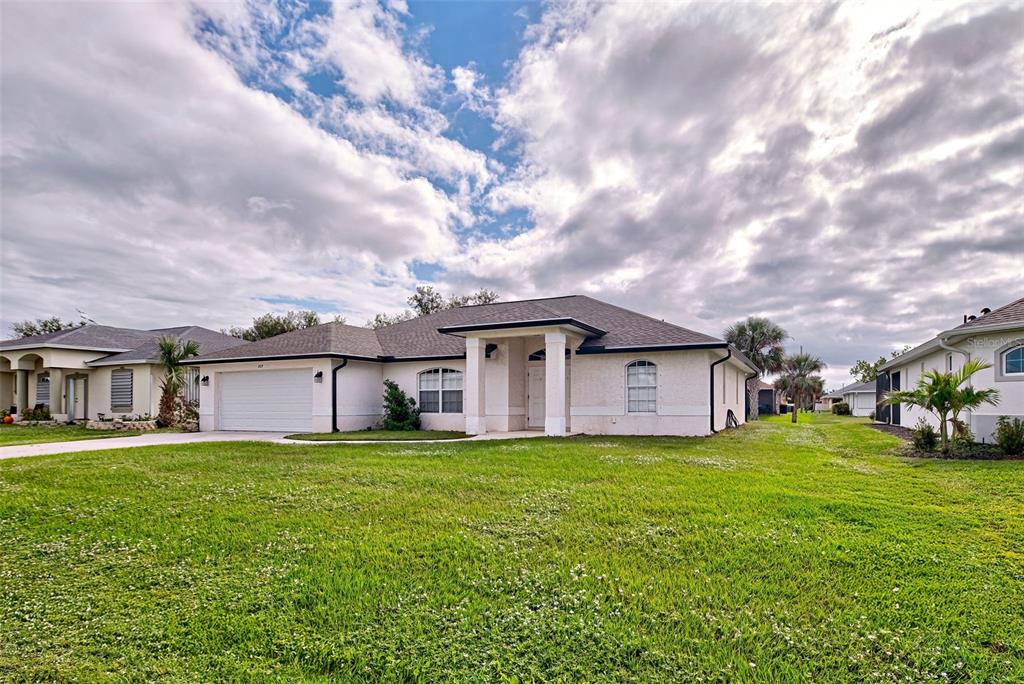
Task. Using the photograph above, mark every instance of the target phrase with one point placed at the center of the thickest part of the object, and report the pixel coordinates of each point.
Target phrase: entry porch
(518, 377)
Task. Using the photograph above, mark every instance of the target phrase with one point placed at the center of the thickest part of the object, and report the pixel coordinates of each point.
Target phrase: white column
(22, 390)
(554, 381)
(56, 391)
(474, 389)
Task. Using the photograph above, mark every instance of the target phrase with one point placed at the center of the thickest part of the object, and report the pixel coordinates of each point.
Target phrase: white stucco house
(996, 337)
(860, 396)
(561, 364)
(90, 370)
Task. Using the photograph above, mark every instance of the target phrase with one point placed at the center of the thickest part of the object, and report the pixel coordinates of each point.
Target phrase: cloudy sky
(852, 170)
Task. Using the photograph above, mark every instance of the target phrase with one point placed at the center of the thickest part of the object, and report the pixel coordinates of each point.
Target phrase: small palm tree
(942, 395)
(172, 352)
(759, 340)
(799, 377)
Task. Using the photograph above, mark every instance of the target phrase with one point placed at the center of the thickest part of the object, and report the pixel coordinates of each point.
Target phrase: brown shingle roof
(1010, 313)
(420, 337)
(92, 336)
(328, 338)
(209, 341)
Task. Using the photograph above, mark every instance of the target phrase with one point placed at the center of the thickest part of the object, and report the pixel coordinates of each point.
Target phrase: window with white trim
(121, 390)
(1013, 361)
(641, 387)
(440, 390)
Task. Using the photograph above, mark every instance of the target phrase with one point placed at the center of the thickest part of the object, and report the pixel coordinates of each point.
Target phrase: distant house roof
(125, 345)
(854, 388)
(607, 328)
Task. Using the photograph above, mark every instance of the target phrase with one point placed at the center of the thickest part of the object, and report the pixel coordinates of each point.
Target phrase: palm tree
(759, 340)
(799, 377)
(941, 394)
(172, 352)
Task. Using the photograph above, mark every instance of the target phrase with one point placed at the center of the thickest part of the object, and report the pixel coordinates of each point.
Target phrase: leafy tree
(943, 395)
(760, 340)
(271, 324)
(172, 352)
(427, 300)
(865, 371)
(41, 326)
(382, 319)
(481, 296)
(400, 410)
(799, 377)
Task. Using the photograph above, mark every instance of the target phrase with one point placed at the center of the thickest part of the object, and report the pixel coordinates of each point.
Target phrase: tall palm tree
(799, 377)
(172, 352)
(760, 340)
(942, 395)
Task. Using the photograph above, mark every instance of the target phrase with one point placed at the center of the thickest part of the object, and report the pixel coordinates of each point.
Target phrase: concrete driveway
(154, 439)
(161, 438)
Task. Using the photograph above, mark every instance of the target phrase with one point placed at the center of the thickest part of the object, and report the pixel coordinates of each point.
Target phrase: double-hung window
(440, 390)
(641, 387)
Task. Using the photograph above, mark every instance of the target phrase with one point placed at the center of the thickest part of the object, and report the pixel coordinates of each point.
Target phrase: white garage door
(267, 400)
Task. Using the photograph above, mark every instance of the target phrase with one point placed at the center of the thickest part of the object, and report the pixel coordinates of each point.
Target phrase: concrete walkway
(164, 438)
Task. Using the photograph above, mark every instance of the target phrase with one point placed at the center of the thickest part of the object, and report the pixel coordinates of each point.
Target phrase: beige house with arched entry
(83, 372)
(559, 365)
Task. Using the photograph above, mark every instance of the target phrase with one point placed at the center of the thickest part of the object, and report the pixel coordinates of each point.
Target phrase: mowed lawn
(771, 553)
(11, 435)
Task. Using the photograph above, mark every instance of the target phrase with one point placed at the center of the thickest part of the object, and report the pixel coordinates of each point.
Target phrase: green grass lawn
(772, 553)
(10, 435)
(377, 435)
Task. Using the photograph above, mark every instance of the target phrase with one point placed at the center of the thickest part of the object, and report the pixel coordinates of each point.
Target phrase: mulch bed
(978, 452)
(897, 430)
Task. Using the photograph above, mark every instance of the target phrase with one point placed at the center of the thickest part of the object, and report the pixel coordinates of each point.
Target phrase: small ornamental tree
(400, 410)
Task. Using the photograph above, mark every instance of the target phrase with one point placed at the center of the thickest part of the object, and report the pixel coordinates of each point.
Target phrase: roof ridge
(650, 318)
(515, 301)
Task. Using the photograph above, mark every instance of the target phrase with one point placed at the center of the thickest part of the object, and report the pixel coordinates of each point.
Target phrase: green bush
(38, 413)
(841, 408)
(924, 437)
(400, 410)
(1010, 436)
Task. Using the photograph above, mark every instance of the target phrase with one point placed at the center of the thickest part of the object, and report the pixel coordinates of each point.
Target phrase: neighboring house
(768, 398)
(860, 396)
(82, 372)
(560, 364)
(996, 337)
(826, 402)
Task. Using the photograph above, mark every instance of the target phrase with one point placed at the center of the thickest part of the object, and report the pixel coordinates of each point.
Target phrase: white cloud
(134, 160)
(749, 160)
(832, 166)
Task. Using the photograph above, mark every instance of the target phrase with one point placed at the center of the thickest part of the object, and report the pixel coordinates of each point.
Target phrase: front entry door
(895, 414)
(535, 390)
(76, 398)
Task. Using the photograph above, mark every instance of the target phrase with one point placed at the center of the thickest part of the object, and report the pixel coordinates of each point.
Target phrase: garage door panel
(267, 400)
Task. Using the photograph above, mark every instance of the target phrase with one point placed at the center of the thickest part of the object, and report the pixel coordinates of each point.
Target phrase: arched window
(1013, 361)
(440, 390)
(641, 387)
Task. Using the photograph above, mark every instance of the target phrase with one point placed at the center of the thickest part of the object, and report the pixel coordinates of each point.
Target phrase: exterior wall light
(205, 381)
(318, 376)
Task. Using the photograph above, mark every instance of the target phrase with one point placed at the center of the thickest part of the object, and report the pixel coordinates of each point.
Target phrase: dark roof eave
(686, 346)
(327, 355)
(536, 323)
